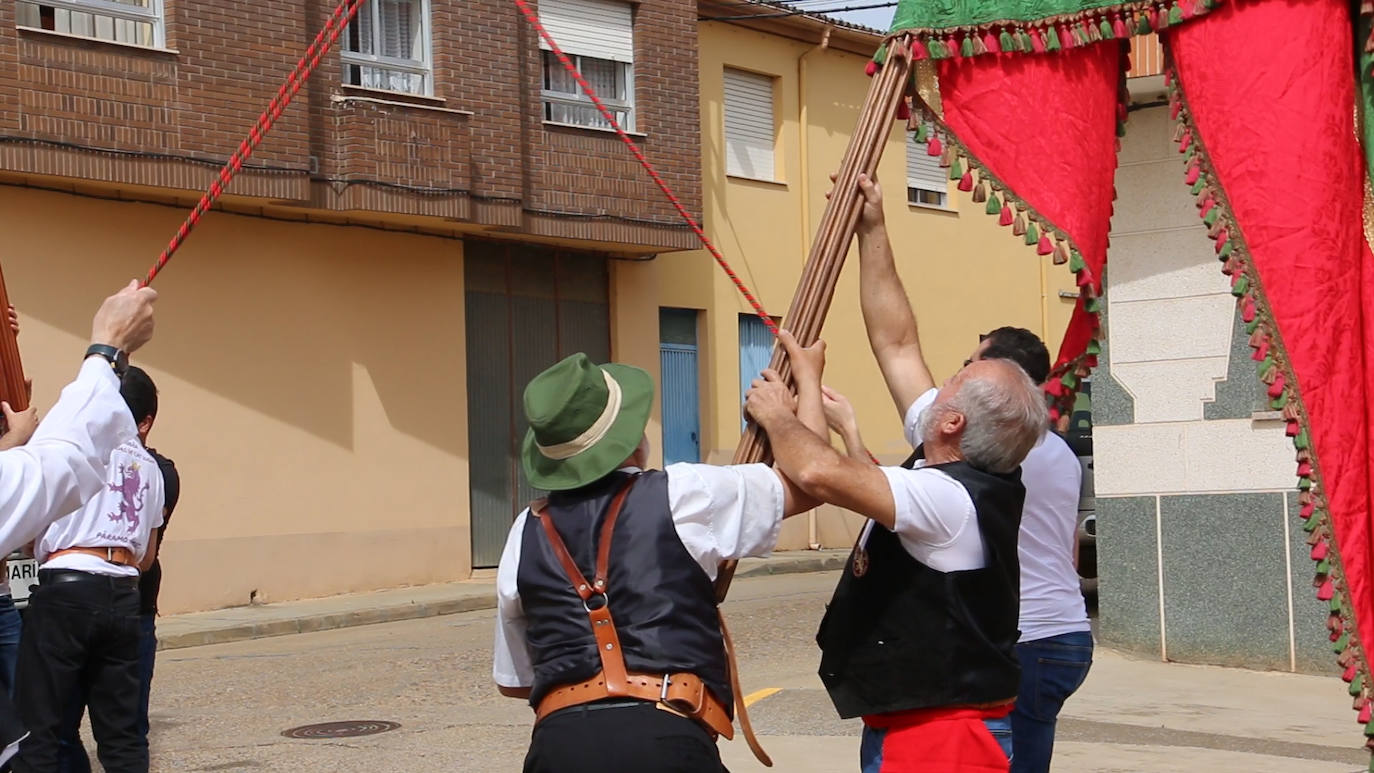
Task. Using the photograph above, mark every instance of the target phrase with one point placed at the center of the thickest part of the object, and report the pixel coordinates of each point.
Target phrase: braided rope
(533, 18)
(325, 40)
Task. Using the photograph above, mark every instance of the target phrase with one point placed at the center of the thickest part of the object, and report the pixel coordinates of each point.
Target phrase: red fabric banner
(1270, 89)
(1045, 126)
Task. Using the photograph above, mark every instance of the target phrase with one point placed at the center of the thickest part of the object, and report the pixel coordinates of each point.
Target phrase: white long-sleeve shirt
(64, 463)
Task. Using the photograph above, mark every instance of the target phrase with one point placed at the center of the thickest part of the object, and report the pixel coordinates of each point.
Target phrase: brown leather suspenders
(684, 693)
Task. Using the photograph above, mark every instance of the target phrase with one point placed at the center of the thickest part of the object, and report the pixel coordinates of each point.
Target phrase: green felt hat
(585, 420)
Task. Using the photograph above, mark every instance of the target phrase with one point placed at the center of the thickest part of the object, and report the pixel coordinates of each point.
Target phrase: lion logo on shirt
(132, 490)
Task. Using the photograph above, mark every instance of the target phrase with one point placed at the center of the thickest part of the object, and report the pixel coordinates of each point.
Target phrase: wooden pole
(12, 388)
(816, 288)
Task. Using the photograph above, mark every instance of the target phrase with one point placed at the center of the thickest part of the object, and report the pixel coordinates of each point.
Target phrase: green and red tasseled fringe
(1276, 372)
(1036, 230)
(1054, 33)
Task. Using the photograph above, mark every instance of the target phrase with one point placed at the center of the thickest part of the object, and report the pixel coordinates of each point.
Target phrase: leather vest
(662, 601)
(899, 635)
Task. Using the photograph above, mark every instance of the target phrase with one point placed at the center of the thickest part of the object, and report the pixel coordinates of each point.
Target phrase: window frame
(580, 99)
(153, 15)
(914, 188)
(424, 68)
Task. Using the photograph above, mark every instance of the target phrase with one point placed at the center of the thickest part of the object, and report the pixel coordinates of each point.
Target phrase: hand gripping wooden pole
(806, 316)
(12, 388)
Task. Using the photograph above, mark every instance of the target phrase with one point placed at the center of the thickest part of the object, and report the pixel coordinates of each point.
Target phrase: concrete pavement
(259, 621)
(223, 707)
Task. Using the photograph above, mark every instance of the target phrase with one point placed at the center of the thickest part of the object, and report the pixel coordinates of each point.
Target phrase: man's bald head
(991, 411)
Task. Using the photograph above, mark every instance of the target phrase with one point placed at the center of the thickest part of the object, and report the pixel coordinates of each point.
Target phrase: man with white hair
(920, 636)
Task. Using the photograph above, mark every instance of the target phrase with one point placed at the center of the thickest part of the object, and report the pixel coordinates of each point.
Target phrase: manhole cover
(341, 729)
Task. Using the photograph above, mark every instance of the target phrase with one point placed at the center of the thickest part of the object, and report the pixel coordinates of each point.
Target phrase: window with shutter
(598, 36)
(927, 184)
(749, 125)
(136, 22)
(387, 47)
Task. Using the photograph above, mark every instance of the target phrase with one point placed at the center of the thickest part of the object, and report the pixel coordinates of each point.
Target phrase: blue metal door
(755, 352)
(679, 386)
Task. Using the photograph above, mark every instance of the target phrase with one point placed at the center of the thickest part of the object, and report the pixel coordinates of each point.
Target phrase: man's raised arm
(886, 308)
(64, 463)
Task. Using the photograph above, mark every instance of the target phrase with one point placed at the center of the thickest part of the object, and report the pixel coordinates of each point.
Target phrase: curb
(417, 611)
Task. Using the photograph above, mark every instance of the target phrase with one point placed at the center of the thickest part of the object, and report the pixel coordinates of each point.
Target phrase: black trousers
(81, 628)
(627, 738)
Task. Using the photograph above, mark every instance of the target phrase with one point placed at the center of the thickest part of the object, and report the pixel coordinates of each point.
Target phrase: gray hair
(1003, 418)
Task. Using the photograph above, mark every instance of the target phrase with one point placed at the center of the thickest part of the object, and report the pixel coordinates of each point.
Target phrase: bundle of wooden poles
(806, 316)
(12, 389)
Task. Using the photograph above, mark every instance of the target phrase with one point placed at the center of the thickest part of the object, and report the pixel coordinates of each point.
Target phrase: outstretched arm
(807, 459)
(839, 414)
(886, 308)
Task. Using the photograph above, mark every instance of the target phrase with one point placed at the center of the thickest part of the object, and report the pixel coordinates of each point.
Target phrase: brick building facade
(470, 151)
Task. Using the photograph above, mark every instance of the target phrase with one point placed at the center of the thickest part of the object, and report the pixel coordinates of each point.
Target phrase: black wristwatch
(118, 358)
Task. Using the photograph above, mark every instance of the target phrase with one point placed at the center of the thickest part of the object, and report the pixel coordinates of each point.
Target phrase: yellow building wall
(312, 389)
(964, 273)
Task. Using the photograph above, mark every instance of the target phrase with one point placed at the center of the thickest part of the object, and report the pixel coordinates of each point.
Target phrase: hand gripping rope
(325, 40)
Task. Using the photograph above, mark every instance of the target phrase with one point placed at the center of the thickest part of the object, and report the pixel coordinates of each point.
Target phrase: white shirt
(122, 515)
(719, 513)
(1051, 599)
(64, 463)
(934, 515)
(1051, 594)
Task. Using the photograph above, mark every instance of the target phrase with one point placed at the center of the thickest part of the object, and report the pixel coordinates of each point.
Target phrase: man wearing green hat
(607, 619)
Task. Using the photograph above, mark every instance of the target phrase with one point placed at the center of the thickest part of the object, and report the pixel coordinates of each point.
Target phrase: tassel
(980, 193)
(1083, 279)
(1061, 254)
(1005, 218)
(1364, 718)
(1324, 569)
(1119, 28)
(918, 49)
(1305, 470)
(1341, 644)
(1066, 37)
(966, 182)
(978, 48)
(1276, 388)
(922, 133)
(1153, 18)
(937, 49)
(1051, 39)
(1207, 207)
(1226, 250)
(956, 169)
(1301, 441)
(933, 147)
(1326, 592)
(1175, 15)
(1105, 28)
(871, 68)
(994, 206)
(1319, 552)
(966, 47)
(1076, 262)
(1349, 675)
(1142, 25)
(1248, 311)
(1032, 234)
(1027, 44)
(990, 43)
(1193, 172)
(947, 158)
(1292, 429)
(1018, 228)
(1185, 142)
(1214, 230)
(1044, 247)
(1199, 186)
(1210, 217)
(1206, 200)
(1037, 42)
(1006, 41)
(1179, 129)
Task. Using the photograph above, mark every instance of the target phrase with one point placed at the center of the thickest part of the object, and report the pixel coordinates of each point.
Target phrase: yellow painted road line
(755, 697)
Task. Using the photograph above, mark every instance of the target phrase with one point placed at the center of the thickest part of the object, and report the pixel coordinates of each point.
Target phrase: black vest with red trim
(899, 635)
(660, 598)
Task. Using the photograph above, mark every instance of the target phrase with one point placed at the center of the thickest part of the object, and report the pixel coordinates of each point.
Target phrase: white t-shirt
(1051, 601)
(64, 463)
(719, 513)
(122, 515)
(1051, 594)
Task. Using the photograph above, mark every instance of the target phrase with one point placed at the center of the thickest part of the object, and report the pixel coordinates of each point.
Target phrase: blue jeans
(11, 626)
(1051, 670)
(71, 753)
(871, 745)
